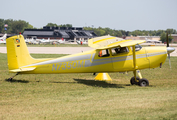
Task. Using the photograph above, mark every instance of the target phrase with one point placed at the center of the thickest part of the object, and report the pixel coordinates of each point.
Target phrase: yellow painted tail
(18, 54)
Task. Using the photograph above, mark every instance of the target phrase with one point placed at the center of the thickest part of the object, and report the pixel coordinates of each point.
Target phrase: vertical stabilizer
(4, 37)
(17, 52)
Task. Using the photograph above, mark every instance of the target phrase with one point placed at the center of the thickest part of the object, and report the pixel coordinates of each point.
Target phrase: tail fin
(4, 37)
(18, 54)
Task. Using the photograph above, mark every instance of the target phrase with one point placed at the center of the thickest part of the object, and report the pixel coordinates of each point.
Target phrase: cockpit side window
(103, 53)
(119, 50)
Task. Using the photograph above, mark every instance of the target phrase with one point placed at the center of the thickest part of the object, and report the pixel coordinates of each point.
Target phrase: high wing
(110, 42)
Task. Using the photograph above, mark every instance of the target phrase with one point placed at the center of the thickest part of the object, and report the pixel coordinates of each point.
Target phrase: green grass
(78, 96)
(50, 45)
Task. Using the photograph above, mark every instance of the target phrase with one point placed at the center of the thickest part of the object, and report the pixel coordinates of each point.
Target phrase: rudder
(17, 52)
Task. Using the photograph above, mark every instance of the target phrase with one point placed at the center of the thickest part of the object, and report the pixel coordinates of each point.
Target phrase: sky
(126, 15)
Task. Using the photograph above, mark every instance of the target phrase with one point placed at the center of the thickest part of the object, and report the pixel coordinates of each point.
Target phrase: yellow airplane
(110, 54)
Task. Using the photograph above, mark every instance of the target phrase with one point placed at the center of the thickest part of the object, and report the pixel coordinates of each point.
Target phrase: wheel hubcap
(143, 83)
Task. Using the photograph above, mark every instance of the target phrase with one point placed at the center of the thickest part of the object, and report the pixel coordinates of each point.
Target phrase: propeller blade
(169, 60)
(167, 49)
(170, 50)
(167, 39)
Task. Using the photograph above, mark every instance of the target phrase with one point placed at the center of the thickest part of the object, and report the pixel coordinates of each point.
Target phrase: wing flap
(23, 69)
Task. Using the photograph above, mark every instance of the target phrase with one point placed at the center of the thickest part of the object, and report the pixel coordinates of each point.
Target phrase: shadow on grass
(63, 82)
(14, 80)
(100, 83)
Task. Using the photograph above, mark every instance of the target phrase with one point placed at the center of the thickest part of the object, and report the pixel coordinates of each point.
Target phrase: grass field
(78, 96)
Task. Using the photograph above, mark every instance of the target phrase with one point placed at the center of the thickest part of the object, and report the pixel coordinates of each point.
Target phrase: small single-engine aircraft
(152, 41)
(32, 41)
(110, 54)
(3, 39)
(61, 41)
(81, 42)
(44, 41)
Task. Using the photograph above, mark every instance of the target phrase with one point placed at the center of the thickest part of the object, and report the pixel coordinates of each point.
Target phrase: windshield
(137, 47)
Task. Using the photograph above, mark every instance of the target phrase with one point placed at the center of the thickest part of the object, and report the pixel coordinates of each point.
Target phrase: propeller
(169, 49)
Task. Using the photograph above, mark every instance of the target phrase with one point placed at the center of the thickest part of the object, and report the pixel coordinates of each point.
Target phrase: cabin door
(122, 59)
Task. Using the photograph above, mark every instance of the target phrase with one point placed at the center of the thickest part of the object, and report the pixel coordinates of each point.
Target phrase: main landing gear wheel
(143, 82)
(133, 82)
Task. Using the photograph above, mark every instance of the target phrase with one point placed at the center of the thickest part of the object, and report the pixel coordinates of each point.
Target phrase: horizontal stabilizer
(22, 69)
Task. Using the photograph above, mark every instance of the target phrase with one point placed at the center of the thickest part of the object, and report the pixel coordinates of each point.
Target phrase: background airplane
(152, 41)
(109, 54)
(61, 41)
(3, 39)
(81, 42)
(31, 41)
(44, 41)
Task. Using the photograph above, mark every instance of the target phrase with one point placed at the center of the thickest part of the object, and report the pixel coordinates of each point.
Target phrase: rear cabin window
(119, 50)
(103, 53)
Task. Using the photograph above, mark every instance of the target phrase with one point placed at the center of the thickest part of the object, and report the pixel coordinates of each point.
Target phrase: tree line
(16, 26)
(122, 33)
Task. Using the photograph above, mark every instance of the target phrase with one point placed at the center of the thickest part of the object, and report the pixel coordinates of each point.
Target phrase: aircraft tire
(143, 82)
(133, 82)
(94, 73)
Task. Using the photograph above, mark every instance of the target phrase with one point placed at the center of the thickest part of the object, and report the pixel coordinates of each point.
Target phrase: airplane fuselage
(109, 54)
(91, 62)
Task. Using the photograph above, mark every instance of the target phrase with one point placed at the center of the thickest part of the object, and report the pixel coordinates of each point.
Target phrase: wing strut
(134, 58)
(135, 66)
(134, 62)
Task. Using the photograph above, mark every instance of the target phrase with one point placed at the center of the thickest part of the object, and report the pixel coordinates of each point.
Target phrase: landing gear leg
(139, 80)
(134, 80)
(10, 79)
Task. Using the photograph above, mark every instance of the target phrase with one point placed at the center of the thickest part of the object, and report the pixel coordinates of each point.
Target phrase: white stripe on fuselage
(90, 61)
